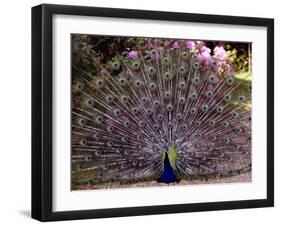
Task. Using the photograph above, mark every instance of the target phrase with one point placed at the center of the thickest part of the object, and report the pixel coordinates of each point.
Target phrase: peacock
(158, 111)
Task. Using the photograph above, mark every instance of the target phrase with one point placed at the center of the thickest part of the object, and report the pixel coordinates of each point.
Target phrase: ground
(245, 177)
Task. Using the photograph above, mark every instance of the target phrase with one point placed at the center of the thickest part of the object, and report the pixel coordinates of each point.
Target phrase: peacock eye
(182, 100)
(144, 99)
(89, 102)
(109, 143)
(205, 107)
(227, 97)
(179, 116)
(168, 94)
(83, 142)
(118, 150)
(80, 86)
(212, 79)
(185, 54)
(123, 81)
(250, 87)
(196, 65)
(126, 123)
(170, 125)
(166, 60)
(148, 111)
(182, 84)
(229, 80)
(167, 76)
(137, 83)
(151, 71)
(226, 140)
(109, 129)
(184, 126)
(234, 114)
(198, 123)
(124, 98)
(100, 83)
(135, 65)
(245, 152)
(135, 110)
(115, 66)
(220, 109)
(105, 167)
(160, 117)
(182, 70)
(116, 112)
(109, 99)
(241, 98)
(97, 136)
(139, 137)
(193, 96)
(238, 130)
(212, 123)
(156, 103)
(169, 107)
(81, 121)
(88, 157)
(213, 138)
(152, 86)
(225, 124)
(237, 146)
(141, 123)
(124, 139)
(193, 111)
(155, 126)
(196, 80)
(99, 119)
(134, 163)
(209, 93)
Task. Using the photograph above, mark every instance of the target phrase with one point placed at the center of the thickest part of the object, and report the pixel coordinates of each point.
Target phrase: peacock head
(167, 148)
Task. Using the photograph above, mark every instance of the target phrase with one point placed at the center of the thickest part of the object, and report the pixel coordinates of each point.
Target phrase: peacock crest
(147, 111)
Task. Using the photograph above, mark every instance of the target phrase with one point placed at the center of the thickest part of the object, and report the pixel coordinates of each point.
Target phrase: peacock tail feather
(133, 104)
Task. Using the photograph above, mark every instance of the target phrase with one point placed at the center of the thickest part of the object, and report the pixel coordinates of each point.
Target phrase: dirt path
(246, 177)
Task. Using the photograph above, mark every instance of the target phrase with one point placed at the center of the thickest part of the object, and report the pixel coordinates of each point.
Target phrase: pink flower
(176, 45)
(205, 55)
(229, 70)
(149, 44)
(156, 42)
(190, 45)
(223, 61)
(133, 55)
(220, 53)
(167, 43)
(199, 44)
(155, 57)
(161, 50)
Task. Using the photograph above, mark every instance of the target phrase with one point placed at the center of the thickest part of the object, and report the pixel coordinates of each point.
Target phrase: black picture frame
(42, 111)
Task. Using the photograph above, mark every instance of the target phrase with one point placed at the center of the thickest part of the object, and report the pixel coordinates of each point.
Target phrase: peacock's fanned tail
(153, 99)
